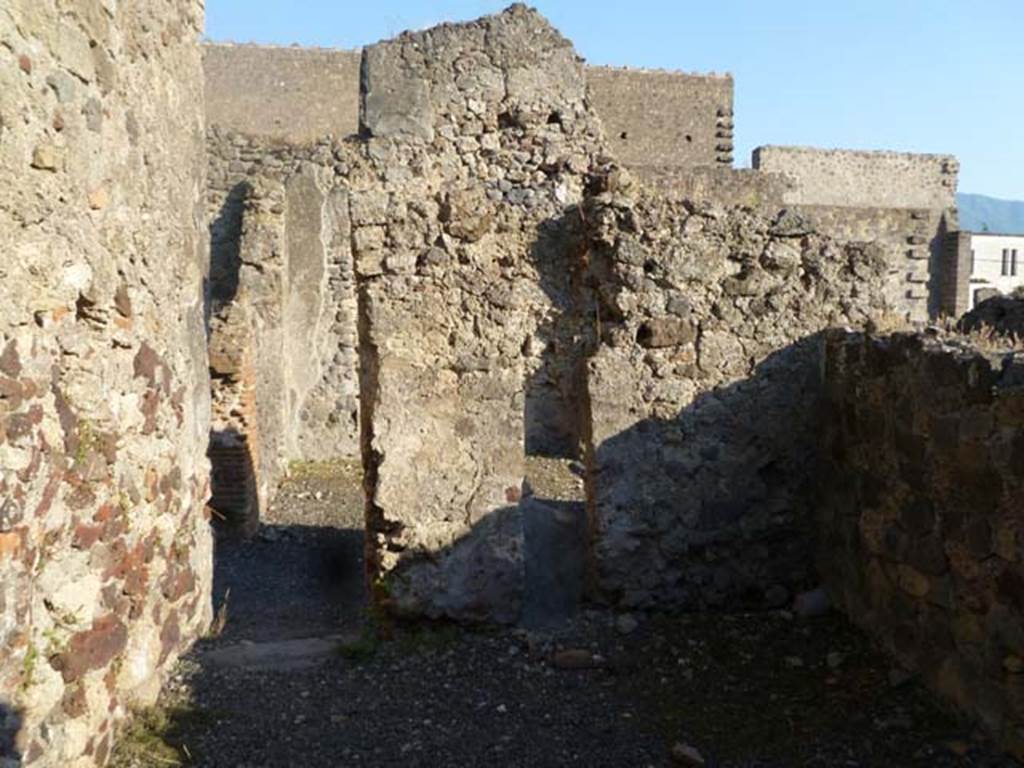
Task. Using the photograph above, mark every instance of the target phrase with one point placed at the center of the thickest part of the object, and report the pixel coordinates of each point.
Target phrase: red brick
(93, 649)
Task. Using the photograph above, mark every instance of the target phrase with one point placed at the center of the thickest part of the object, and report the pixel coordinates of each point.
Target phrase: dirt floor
(753, 690)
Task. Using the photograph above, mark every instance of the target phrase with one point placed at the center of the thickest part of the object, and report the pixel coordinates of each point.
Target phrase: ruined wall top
(414, 84)
(297, 95)
(858, 178)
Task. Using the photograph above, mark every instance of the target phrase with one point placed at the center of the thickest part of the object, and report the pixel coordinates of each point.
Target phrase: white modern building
(979, 265)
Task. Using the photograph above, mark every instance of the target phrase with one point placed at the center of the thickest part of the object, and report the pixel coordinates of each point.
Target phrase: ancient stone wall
(323, 309)
(728, 187)
(863, 178)
(921, 537)
(912, 240)
(652, 118)
(656, 119)
(878, 188)
(105, 553)
(479, 138)
(703, 394)
(281, 272)
(298, 95)
(957, 262)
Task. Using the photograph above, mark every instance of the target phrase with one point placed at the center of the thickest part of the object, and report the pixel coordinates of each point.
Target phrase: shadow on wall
(551, 405)
(10, 725)
(712, 508)
(938, 268)
(225, 238)
(233, 492)
(233, 477)
(709, 507)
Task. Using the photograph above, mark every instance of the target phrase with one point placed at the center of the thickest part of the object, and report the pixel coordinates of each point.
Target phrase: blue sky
(914, 75)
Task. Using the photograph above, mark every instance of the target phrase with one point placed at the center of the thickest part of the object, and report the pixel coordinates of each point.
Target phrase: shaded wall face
(919, 515)
(104, 549)
(704, 395)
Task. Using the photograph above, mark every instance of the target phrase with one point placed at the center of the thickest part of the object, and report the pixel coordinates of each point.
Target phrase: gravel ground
(744, 691)
(302, 574)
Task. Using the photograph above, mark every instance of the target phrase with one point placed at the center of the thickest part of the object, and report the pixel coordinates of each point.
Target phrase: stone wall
(957, 261)
(921, 537)
(281, 270)
(912, 240)
(292, 94)
(728, 187)
(703, 394)
(299, 95)
(906, 202)
(664, 119)
(856, 178)
(105, 553)
(478, 140)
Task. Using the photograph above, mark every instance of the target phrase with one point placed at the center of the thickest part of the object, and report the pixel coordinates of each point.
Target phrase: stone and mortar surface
(498, 296)
(912, 233)
(905, 201)
(479, 137)
(922, 539)
(300, 95)
(105, 563)
(656, 119)
(281, 270)
(703, 393)
(858, 178)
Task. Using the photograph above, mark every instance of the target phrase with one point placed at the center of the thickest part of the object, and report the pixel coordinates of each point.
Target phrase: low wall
(105, 550)
(921, 536)
(863, 178)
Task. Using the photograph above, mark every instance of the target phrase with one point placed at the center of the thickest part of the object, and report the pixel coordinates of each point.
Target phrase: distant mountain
(979, 213)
